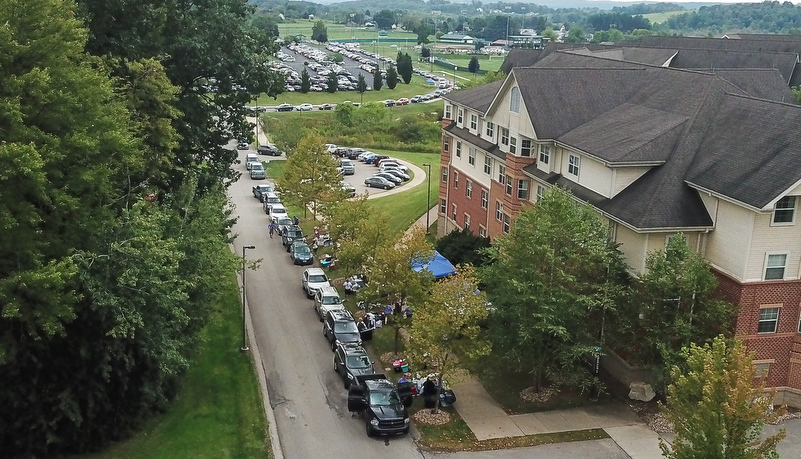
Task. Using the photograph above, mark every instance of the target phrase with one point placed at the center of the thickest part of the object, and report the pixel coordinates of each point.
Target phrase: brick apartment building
(656, 151)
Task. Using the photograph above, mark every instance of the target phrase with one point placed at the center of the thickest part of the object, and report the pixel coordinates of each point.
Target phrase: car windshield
(345, 327)
(294, 233)
(284, 221)
(318, 278)
(302, 249)
(331, 300)
(257, 167)
(384, 398)
(358, 361)
(278, 210)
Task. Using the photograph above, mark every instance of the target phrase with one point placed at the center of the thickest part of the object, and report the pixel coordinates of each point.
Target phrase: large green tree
(392, 77)
(405, 67)
(549, 283)
(305, 81)
(377, 79)
(320, 32)
(716, 409)
(359, 230)
(310, 176)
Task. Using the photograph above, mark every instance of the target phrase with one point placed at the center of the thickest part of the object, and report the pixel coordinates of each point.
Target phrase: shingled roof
(781, 45)
(478, 98)
(784, 62)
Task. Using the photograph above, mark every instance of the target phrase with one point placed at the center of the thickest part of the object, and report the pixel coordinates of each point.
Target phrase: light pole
(244, 323)
(428, 199)
(257, 128)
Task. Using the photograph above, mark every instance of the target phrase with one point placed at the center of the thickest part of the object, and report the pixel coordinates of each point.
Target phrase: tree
(319, 32)
(463, 247)
(473, 66)
(446, 330)
(548, 280)
(716, 409)
(331, 83)
(361, 86)
(575, 35)
(423, 33)
(425, 52)
(550, 34)
(392, 77)
(305, 81)
(677, 300)
(405, 67)
(359, 230)
(393, 279)
(377, 79)
(384, 19)
(310, 176)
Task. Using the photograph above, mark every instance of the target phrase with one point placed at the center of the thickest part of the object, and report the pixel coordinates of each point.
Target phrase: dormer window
(784, 211)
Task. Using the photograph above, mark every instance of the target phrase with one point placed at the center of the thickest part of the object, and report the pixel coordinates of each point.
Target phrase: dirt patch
(529, 394)
(650, 413)
(429, 417)
(389, 357)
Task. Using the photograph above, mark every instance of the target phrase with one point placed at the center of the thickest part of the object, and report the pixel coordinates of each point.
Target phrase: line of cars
(391, 172)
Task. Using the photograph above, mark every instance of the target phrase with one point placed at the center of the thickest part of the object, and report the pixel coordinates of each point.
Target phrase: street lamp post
(428, 198)
(244, 323)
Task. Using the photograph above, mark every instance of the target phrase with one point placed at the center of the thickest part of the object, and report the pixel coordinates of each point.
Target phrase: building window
(761, 369)
(499, 211)
(460, 117)
(473, 122)
(487, 164)
(774, 266)
(455, 179)
(509, 185)
(446, 144)
(573, 165)
(484, 199)
(469, 189)
(768, 320)
(458, 149)
(467, 222)
(540, 192)
(514, 103)
(799, 324)
(443, 206)
(513, 145)
(507, 223)
(454, 212)
(490, 129)
(502, 174)
(525, 147)
(471, 157)
(444, 175)
(504, 136)
(448, 113)
(784, 211)
(522, 189)
(482, 231)
(545, 154)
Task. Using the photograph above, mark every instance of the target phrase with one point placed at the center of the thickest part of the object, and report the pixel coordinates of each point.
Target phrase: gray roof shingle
(478, 98)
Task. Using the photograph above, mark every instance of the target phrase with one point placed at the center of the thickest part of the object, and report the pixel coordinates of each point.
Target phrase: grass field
(658, 18)
(218, 412)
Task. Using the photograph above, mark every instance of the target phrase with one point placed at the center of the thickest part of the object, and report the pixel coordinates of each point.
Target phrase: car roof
(329, 291)
(379, 384)
(315, 271)
(341, 315)
(353, 349)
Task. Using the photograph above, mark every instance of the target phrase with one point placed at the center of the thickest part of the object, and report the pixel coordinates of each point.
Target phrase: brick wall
(782, 348)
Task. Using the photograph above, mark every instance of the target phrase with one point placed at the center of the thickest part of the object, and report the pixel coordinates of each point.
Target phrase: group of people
(273, 227)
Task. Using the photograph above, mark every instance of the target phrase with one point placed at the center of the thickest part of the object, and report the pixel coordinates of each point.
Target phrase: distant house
(525, 41)
(457, 38)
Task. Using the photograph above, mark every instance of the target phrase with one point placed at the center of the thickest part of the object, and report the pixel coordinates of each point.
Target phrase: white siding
(773, 239)
(728, 245)
(479, 176)
(625, 176)
(633, 248)
(595, 176)
(517, 123)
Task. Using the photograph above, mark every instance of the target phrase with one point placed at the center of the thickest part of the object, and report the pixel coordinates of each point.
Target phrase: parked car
(257, 172)
(402, 101)
(351, 360)
(327, 299)
(260, 191)
(388, 103)
(242, 146)
(379, 182)
(377, 159)
(347, 167)
(327, 107)
(313, 279)
(269, 150)
(283, 223)
(383, 405)
(392, 163)
(354, 153)
(305, 107)
(339, 327)
(416, 99)
(300, 253)
(276, 211)
(397, 173)
(291, 234)
(269, 199)
(390, 177)
(348, 188)
(285, 107)
(250, 159)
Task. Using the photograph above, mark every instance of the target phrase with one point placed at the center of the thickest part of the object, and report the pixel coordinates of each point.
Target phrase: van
(257, 171)
(347, 167)
(250, 159)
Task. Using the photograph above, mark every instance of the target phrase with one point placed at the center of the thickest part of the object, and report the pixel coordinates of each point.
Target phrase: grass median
(218, 412)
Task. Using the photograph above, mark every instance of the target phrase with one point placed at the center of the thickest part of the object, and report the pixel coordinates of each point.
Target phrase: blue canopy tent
(439, 266)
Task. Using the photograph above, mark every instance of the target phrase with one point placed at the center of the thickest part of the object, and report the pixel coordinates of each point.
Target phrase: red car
(402, 101)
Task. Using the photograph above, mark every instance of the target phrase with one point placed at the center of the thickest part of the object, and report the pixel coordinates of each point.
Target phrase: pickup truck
(382, 405)
(260, 191)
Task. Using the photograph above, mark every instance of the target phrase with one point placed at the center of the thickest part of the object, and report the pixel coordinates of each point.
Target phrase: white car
(313, 279)
(305, 107)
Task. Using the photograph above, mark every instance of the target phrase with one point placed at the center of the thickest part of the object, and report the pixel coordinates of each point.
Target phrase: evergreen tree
(305, 81)
(331, 81)
(473, 66)
(361, 86)
(405, 67)
(377, 79)
(320, 32)
(392, 77)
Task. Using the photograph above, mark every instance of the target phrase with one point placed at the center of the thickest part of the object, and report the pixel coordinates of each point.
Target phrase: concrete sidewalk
(487, 420)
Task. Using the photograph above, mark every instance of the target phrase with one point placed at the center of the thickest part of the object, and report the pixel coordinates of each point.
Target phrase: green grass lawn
(405, 208)
(218, 412)
(416, 86)
(658, 18)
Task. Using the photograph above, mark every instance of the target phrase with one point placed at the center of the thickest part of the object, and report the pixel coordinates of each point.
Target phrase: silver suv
(327, 299)
(313, 279)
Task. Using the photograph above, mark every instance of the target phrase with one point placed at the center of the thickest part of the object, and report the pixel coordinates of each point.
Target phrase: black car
(269, 150)
(377, 160)
(300, 253)
(392, 178)
(354, 153)
(382, 404)
(242, 146)
(397, 173)
(282, 224)
(339, 327)
(285, 107)
(351, 360)
(291, 234)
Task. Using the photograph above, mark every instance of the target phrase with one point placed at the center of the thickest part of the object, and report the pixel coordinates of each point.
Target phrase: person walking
(272, 229)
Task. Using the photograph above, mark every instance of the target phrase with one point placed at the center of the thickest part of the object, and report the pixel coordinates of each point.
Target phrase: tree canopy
(319, 32)
(392, 77)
